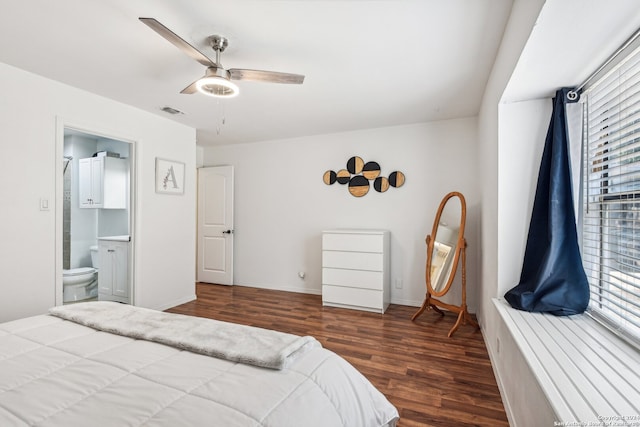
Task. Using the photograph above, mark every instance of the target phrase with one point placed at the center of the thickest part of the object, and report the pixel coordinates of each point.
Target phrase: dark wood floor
(432, 380)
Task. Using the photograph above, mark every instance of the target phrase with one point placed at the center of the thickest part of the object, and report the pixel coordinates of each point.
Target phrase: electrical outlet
(398, 283)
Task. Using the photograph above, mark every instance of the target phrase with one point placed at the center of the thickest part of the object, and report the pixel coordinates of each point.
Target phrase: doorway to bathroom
(95, 259)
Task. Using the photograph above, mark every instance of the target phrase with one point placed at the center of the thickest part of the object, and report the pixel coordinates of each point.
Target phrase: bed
(109, 364)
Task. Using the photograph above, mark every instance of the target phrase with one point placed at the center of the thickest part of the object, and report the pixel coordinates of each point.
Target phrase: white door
(215, 225)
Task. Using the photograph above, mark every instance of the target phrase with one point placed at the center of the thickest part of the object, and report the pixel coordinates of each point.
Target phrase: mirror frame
(430, 240)
(459, 256)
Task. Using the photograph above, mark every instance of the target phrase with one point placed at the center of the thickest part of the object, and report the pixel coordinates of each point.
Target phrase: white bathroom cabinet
(113, 274)
(102, 182)
(355, 269)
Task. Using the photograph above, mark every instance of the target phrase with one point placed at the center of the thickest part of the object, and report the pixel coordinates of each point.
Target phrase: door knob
(227, 232)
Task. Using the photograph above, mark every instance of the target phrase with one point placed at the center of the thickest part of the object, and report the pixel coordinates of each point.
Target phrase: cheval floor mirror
(446, 247)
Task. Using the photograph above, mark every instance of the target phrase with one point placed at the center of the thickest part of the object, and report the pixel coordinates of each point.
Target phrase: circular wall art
(355, 164)
(343, 176)
(396, 179)
(358, 186)
(358, 175)
(329, 177)
(381, 184)
(371, 170)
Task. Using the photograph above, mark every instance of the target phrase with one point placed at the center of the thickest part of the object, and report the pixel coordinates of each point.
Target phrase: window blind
(611, 210)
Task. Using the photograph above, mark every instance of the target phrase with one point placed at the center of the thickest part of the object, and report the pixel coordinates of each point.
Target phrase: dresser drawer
(353, 260)
(353, 278)
(355, 269)
(352, 297)
(353, 242)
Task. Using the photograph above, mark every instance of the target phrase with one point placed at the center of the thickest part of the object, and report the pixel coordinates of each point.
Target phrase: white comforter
(54, 372)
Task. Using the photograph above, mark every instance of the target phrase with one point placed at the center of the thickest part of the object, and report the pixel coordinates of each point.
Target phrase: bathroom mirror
(446, 247)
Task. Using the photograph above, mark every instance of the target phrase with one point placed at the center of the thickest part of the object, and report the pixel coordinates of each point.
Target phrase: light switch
(44, 204)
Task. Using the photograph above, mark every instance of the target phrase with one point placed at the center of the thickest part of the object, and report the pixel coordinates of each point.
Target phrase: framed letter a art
(169, 176)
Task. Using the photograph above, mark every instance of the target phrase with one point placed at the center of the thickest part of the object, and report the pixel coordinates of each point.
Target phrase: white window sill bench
(588, 374)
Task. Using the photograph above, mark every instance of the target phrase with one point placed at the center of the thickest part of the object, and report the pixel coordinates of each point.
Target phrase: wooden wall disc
(329, 177)
(371, 170)
(358, 186)
(381, 184)
(355, 164)
(343, 176)
(396, 179)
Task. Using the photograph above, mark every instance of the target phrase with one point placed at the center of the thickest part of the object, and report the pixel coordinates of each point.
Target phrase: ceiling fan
(217, 80)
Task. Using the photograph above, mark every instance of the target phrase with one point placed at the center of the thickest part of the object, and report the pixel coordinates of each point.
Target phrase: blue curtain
(553, 279)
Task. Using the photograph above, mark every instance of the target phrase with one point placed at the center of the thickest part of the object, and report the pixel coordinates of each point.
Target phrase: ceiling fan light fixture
(217, 81)
(217, 86)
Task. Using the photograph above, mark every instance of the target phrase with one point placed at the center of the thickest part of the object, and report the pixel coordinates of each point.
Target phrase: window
(611, 209)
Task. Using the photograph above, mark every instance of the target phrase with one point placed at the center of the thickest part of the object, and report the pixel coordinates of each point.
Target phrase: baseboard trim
(174, 303)
(409, 302)
(285, 289)
(314, 291)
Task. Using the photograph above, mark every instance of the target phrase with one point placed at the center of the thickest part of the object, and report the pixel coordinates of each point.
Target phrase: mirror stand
(446, 246)
(463, 314)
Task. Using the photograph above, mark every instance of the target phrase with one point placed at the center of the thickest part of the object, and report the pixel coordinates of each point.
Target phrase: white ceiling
(368, 63)
(579, 47)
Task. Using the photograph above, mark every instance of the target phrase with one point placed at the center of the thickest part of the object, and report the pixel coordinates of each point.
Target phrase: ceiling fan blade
(177, 41)
(265, 76)
(190, 89)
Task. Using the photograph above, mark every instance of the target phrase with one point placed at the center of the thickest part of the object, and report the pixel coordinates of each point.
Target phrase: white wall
(525, 405)
(282, 204)
(164, 234)
(521, 21)
(522, 131)
(523, 128)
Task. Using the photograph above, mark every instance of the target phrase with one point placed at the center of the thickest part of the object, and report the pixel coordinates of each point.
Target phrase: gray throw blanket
(237, 343)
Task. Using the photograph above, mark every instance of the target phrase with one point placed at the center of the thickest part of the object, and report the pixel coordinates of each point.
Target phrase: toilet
(81, 283)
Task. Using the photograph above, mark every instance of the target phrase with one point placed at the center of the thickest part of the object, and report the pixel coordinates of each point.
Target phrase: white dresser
(355, 269)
